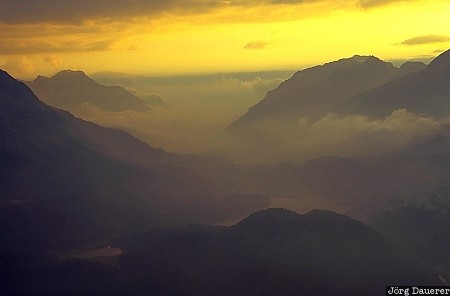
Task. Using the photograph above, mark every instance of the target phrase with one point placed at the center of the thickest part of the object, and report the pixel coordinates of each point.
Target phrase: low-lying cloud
(188, 113)
(351, 136)
(270, 142)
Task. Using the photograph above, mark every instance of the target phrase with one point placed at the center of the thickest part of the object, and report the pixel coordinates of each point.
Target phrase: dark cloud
(54, 61)
(30, 46)
(76, 11)
(426, 39)
(375, 3)
(256, 45)
(253, 2)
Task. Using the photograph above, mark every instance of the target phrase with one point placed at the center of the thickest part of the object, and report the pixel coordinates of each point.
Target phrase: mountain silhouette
(426, 91)
(69, 90)
(271, 252)
(67, 183)
(313, 92)
(420, 227)
(438, 145)
(83, 182)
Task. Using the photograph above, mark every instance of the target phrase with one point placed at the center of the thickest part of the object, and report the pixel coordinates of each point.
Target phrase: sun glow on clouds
(214, 36)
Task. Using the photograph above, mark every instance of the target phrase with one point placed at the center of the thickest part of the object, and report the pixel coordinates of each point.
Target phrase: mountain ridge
(70, 89)
(312, 92)
(276, 251)
(423, 92)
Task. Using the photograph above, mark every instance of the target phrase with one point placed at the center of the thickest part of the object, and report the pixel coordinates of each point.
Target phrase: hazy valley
(118, 184)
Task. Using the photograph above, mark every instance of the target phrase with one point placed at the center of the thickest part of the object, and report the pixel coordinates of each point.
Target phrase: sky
(212, 36)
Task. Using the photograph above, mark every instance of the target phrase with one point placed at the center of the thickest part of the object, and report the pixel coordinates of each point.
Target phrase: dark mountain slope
(69, 90)
(66, 183)
(118, 144)
(57, 171)
(426, 91)
(439, 145)
(272, 252)
(420, 227)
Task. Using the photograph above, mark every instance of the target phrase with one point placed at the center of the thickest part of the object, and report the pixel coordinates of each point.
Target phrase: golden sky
(195, 36)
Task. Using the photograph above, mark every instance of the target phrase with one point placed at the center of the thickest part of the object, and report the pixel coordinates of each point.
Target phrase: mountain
(419, 227)
(438, 145)
(66, 182)
(424, 92)
(357, 186)
(70, 90)
(119, 144)
(311, 93)
(271, 252)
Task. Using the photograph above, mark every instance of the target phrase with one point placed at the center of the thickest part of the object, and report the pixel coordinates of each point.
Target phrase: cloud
(377, 3)
(77, 11)
(178, 120)
(154, 100)
(54, 61)
(268, 2)
(32, 46)
(441, 50)
(351, 136)
(19, 67)
(256, 45)
(426, 39)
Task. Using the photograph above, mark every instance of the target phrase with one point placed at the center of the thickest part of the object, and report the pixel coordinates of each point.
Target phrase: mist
(346, 136)
(358, 146)
(272, 147)
(188, 113)
(192, 115)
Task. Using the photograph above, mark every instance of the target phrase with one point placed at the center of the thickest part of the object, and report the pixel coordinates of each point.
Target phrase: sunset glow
(213, 36)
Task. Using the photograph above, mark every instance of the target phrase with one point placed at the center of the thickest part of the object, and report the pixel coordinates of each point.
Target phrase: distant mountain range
(354, 184)
(360, 186)
(361, 85)
(315, 92)
(69, 90)
(426, 91)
